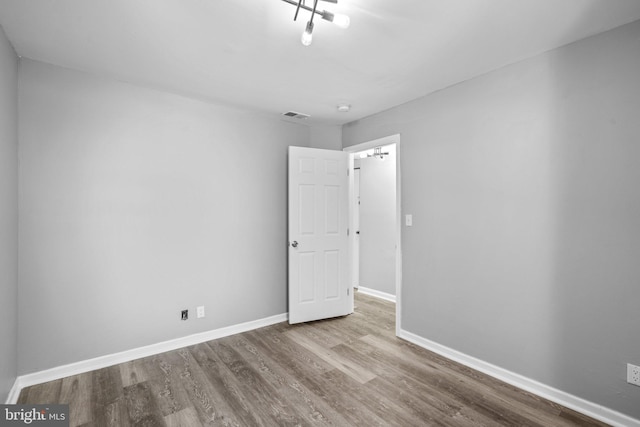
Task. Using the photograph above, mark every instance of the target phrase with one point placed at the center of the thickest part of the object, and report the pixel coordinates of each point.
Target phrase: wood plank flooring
(349, 371)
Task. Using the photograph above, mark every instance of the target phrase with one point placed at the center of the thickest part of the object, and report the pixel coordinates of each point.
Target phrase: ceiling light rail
(340, 20)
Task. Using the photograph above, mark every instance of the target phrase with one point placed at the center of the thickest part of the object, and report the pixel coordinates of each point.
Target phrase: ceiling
(248, 53)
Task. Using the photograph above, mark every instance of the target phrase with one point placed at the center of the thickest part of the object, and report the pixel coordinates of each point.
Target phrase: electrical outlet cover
(200, 311)
(633, 374)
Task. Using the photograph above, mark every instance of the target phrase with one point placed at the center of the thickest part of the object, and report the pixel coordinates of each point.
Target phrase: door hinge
(347, 231)
(347, 291)
(347, 172)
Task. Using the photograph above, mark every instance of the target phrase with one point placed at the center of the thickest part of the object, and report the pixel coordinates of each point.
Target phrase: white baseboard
(136, 353)
(570, 401)
(377, 294)
(14, 393)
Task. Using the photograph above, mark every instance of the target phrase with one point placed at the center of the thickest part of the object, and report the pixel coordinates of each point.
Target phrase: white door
(318, 225)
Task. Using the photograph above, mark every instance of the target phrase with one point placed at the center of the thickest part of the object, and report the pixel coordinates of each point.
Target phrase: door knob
(294, 244)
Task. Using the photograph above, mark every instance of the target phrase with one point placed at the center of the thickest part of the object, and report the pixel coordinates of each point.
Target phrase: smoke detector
(344, 108)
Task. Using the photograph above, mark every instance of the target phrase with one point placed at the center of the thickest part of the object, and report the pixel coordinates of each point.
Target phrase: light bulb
(341, 21)
(307, 36)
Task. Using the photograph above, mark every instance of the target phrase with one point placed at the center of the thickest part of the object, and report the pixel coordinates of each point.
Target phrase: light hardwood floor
(342, 372)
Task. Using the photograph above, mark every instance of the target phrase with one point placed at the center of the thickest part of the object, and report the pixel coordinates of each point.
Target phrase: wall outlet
(633, 374)
(185, 314)
(200, 311)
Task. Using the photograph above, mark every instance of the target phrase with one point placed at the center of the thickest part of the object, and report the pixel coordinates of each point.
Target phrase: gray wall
(378, 222)
(325, 137)
(8, 214)
(524, 185)
(136, 204)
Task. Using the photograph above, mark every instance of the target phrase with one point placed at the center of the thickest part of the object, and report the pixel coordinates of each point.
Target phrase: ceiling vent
(295, 115)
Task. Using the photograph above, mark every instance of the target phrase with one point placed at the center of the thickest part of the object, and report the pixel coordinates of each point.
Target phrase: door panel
(318, 219)
(332, 274)
(332, 209)
(306, 210)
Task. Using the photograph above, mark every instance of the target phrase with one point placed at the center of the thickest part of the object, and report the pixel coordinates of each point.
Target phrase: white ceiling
(248, 53)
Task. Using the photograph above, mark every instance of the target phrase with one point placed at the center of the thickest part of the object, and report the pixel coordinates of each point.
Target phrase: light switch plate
(408, 220)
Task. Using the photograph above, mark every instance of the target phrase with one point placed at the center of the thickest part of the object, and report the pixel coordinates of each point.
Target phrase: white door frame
(355, 215)
(387, 140)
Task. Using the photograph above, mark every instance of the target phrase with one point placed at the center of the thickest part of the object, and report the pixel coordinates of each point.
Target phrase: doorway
(375, 218)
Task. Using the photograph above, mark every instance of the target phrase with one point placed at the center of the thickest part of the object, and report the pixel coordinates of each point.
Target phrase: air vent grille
(296, 115)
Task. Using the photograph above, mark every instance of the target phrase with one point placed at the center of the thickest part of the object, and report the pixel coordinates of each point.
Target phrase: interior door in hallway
(319, 264)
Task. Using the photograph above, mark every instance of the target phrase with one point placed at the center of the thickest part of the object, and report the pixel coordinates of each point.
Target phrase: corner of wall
(328, 137)
(8, 213)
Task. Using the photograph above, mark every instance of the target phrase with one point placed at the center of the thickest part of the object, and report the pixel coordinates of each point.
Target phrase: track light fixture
(341, 21)
(377, 153)
(307, 36)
